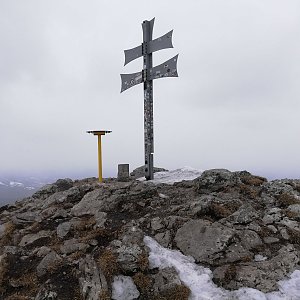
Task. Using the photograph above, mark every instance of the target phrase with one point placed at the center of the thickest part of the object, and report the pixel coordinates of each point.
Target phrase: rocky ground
(74, 239)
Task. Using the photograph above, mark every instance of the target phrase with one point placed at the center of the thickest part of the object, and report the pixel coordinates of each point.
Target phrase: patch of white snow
(123, 288)
(199, 279)
(14, 184)
(169, 177)
(1, 183)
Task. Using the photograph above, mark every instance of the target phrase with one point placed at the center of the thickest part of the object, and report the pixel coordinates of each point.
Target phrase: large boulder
(203, 240)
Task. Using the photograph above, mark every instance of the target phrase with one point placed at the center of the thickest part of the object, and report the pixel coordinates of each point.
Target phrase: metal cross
(147, 75)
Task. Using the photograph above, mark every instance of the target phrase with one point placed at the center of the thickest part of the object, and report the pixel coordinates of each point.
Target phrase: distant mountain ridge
(13, 188)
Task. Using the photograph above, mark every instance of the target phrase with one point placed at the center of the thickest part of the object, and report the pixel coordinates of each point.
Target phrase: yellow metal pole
(99, 158)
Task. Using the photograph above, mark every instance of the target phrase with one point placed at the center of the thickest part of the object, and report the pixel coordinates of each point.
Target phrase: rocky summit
(85, 240)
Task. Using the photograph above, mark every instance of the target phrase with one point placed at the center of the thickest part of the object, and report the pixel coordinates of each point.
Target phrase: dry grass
(86, 223)
(294, 236)
(104, 295)
(57, 265)
(18, 296)
(143, 283)
(230, 274)
(6, 238)
(253, 180)
(143, 261)
(179, 292)
(107, 262)
(4, 268)
(93, 234)
(76, 255)
(285, 199)
(28, 280)
(292, 215)
(248, 191)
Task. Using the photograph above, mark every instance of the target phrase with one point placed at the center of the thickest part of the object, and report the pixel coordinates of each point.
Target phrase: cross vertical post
(148, 99)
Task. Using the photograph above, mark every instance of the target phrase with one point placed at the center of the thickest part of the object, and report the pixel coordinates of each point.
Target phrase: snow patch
(199, 279)
(123, 288)
(30, 188)
(169, 177)
(14, 184)
(1, 183)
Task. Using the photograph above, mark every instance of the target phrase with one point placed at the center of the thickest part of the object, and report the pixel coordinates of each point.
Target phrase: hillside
(238, 237)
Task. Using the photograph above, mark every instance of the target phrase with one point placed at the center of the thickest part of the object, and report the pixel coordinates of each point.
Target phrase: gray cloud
(234, 105)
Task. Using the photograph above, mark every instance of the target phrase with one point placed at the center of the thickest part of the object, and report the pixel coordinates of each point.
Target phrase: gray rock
(284, 233)
(29, 239)
(166, 279)
(26, 217)
(93, 202)
(235, 253)
(64, 184)
(63, 229)
(92, 281)
(100, 218)
(72, 245)
(163, 238)
(213, 180)
(129, 257)
(295, 209)
(140, 172)
(244, 215)
(49, 261)
(202, 240)
(270, 240)
(156, 224)
(249, 239)
(290, 223)
(43, 251)
(262, 275)
(46, 292)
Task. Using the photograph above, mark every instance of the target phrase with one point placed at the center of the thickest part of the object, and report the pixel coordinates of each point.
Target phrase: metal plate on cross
(166, 69)
(160, 43)
(129, 80)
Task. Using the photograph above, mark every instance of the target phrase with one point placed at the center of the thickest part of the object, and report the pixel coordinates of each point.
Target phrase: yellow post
(99, 159)
(99, 133)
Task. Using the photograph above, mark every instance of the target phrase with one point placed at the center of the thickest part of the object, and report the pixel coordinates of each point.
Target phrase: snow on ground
(123, 288)
(169, 177)
(199, 279)
(1, 183)
(14, 183)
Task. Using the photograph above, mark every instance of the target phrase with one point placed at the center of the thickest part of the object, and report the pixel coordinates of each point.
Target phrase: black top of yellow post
(99, 133)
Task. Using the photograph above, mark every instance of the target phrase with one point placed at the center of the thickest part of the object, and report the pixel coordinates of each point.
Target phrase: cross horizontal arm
(166, 69)
(160, 43)
(129, 80)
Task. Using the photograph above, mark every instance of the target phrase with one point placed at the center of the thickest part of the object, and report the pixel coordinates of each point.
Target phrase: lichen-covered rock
(203, 240)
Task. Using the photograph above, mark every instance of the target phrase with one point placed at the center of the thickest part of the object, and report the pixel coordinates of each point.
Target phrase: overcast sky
(235, 104)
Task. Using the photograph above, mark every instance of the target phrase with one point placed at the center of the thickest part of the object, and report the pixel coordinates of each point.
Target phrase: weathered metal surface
(130, 80)
(166, 69)
(148, 99)
(160, 43)
(132, 54)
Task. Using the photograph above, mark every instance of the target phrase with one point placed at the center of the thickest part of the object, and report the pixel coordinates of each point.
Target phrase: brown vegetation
(108, 264)
(142, 281)
(285, 199)
(179, 292)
